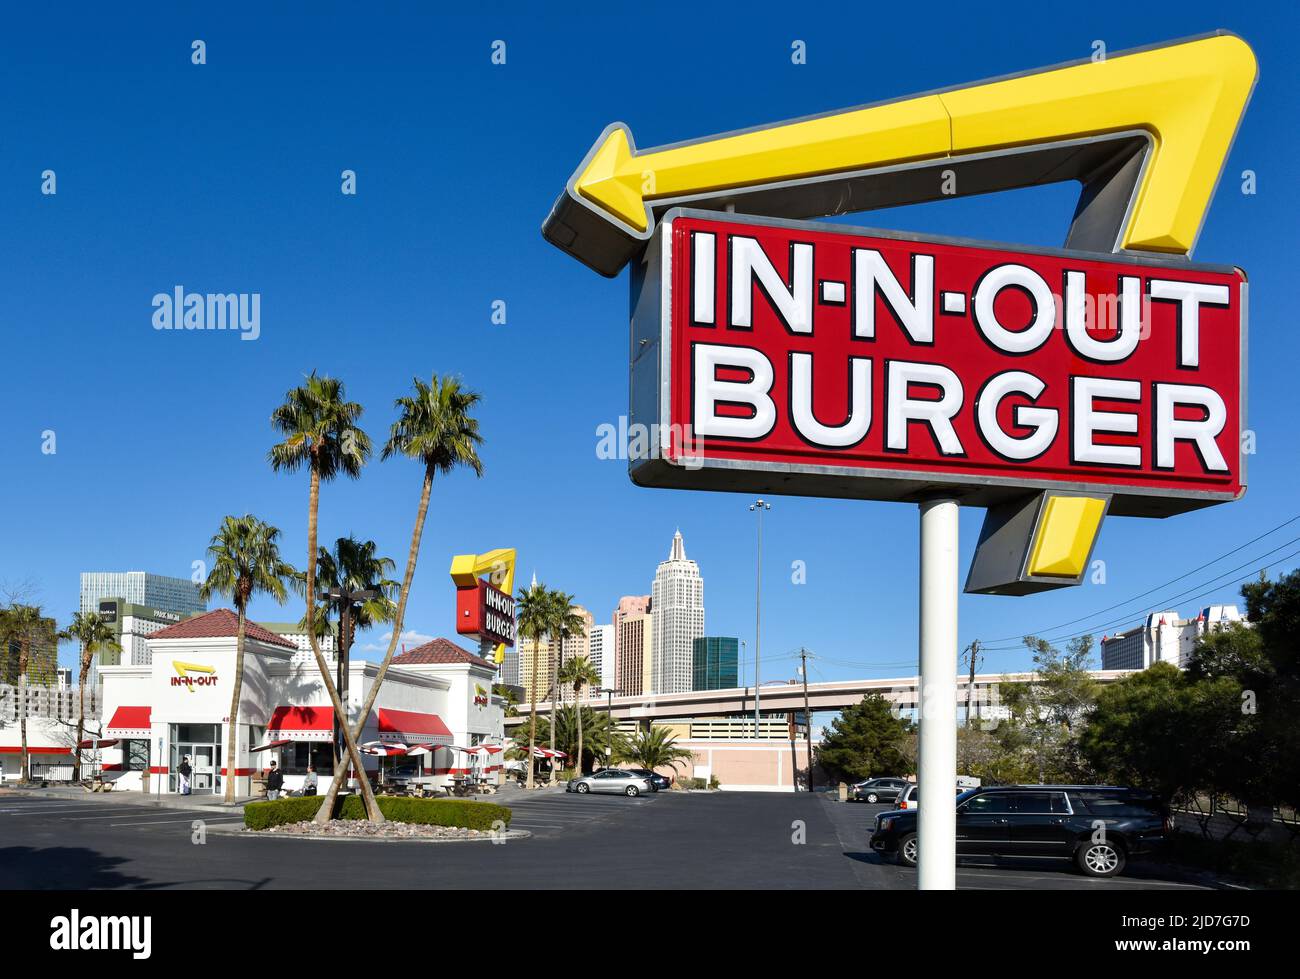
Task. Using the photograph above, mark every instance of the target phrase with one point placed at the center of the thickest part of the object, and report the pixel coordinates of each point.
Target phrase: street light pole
(344, 599)
(758, 506)
(609, 725)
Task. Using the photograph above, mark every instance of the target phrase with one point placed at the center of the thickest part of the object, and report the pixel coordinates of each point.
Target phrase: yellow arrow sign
(1187, 97)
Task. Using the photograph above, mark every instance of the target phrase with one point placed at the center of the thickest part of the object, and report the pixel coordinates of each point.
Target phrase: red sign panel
(486, 612)
(808, 358)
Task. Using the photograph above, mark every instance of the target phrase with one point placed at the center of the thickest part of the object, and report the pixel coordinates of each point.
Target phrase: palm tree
(245, 556)
(18, 625)
(94, 635)
(600, 732)
(654, 749)
(435, 427)
(533, 610)
(351, 566)
(565, 623)
(321, 432)
(578, 673)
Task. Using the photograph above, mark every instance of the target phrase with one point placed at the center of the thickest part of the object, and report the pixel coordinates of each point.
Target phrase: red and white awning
(301, 724)
(483, 749)
(93, 743)
(384, 749)
(543, 752)
(130, 722)
(412, 727)
(273, 744)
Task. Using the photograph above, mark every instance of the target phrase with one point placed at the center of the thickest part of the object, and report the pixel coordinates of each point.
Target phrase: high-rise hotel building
(633, 632)
(677, 604)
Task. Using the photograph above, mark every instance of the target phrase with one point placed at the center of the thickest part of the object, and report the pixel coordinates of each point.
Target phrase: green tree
(94, 636)
(434, 427)
(245, 555)
(533, 612)
(1045, 714)
(653, 749)
(19, 623)
(565, 622)
(321, 433)
(599, 733)
(352, 565)
(578, 673)
(865, 740)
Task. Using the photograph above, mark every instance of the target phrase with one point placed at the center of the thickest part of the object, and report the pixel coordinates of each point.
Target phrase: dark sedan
(1098, 827)
(654, 778)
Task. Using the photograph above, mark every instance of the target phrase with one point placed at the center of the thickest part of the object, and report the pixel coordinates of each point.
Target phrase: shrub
(466, 813)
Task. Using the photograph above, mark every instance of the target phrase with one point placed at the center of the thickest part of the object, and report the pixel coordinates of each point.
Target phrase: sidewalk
(198, 803)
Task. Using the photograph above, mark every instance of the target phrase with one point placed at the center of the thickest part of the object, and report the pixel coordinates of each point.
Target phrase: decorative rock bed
(362, 829)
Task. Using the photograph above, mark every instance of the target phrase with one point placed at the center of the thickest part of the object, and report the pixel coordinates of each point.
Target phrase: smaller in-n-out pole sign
(806, 358)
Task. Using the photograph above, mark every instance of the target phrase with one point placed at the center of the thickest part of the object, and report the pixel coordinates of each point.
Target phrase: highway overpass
(832, 695)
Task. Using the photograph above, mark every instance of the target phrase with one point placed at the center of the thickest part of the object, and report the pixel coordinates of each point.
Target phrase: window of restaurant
(135, 755)
(294, 758)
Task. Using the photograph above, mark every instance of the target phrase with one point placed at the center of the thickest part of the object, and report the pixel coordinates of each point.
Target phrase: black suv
(1096, 826)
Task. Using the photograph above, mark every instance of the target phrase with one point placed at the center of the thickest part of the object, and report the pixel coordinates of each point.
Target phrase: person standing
(184, 771)
(274, 782)
(309, 781)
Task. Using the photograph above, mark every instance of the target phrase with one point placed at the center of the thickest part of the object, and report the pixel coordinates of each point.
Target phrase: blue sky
(225, 177)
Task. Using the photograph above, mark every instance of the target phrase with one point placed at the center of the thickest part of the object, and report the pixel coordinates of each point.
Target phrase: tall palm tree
(245, 556)
(321, 432)
(655, 748)
(351, 566)
(533, 610)
(435, 427)
(19, 625)
(565, 623)
(578, 673)
(94, 635)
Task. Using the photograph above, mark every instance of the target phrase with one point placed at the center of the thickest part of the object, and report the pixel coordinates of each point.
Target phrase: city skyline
(854, 603)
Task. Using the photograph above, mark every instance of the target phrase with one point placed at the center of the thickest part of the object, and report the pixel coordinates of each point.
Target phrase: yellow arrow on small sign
(1186, 97)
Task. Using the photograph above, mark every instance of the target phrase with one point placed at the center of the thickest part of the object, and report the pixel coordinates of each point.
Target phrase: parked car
(611, 780)
(656, 780)
(911, 795)
(1098, 827)
(877, 790)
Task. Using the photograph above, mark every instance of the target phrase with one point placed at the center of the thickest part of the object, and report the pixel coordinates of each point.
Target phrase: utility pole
(807, 714)
(609, 725)
(973, 652)
(758, 506)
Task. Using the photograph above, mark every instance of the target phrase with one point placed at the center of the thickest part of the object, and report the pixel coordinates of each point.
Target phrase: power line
(1213, 586)
(1128, 601)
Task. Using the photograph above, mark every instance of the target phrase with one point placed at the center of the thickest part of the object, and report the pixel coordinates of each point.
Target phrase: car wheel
(1100, 859)
(907, 850)
(632, 791)
(583, 788)
(872, 797)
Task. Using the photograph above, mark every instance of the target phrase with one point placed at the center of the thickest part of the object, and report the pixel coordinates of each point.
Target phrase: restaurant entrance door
(200, 743)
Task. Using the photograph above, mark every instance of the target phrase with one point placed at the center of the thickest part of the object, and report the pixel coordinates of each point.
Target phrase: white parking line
(174, 822)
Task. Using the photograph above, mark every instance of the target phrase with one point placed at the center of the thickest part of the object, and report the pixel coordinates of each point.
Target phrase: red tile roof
(220, 623)
(440, 651)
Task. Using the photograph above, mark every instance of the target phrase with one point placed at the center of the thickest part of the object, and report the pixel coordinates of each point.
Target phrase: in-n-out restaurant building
(179, 705)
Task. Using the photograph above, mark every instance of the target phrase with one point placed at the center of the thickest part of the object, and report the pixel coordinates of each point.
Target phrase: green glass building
(715, 660)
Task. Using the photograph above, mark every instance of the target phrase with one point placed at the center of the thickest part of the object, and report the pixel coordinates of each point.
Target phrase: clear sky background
(226, 178)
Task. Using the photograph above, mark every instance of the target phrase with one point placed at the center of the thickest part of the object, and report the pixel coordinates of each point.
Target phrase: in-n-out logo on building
(480, 696)
(191, 675)
(102, 932)
(181, 310)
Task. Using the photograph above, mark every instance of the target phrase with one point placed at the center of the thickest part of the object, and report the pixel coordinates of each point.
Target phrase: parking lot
(668, 840)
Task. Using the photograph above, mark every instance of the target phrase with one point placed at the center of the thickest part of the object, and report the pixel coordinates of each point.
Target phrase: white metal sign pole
(936, 821)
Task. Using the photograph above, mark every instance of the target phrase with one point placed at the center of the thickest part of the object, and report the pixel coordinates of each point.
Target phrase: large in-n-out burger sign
(811, 358)
(486, 612)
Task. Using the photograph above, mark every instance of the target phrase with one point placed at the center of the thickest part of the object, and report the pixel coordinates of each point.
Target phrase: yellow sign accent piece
(1188, 97)
(1065, 535)
(497, 566)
